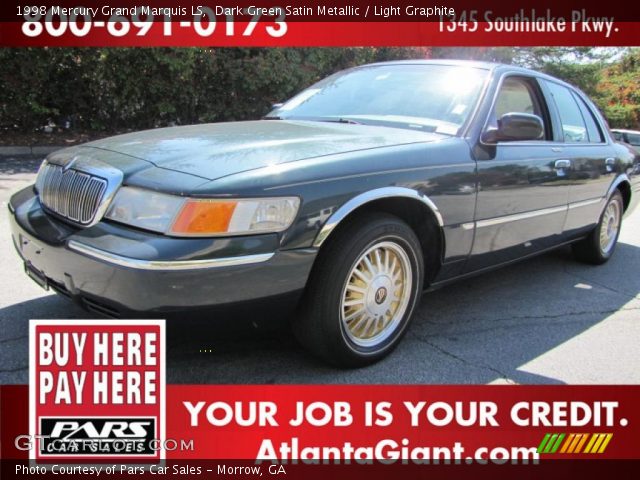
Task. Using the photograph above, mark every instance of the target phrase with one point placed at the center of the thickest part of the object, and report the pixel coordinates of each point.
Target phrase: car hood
(213, 151)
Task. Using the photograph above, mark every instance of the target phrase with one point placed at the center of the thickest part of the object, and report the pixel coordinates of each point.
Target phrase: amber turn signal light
(202, 217)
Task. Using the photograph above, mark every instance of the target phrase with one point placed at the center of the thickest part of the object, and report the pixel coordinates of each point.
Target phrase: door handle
(563, 164)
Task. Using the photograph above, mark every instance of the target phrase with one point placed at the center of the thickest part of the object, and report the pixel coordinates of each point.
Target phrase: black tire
(590, 249)
(319, 325)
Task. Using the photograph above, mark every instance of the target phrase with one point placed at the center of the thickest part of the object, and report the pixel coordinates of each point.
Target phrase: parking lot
(547, 320)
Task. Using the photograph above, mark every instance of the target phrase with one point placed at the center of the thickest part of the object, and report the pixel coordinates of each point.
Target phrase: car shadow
(479, 330)
(476, 331)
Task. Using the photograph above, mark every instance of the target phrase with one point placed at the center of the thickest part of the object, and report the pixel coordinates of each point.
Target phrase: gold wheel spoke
(357, 324)
(393, 265)
(355, 288)
(367, 326)
(361, 275)
(369, 265)
(386, 260)
(382, 323)
(353, 302)
(353, 315)
(378, 260)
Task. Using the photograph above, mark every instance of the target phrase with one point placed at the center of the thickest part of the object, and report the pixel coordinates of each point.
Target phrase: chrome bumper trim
(173, 265)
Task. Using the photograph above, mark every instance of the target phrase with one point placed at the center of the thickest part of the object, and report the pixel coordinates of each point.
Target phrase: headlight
(182, 216)
(144, 208)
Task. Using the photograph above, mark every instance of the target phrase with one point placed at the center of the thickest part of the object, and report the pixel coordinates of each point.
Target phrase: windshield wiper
(340, 120)
(316, 119)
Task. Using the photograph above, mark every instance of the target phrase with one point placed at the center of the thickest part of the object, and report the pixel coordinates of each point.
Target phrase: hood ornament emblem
(70, 164)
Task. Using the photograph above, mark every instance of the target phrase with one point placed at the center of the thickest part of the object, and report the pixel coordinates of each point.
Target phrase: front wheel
(599, 246)
(362, 291)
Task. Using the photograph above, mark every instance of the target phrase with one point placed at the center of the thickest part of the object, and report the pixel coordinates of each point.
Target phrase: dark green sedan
(344, 204)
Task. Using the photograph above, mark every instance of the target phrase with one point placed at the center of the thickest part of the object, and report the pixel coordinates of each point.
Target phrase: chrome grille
(72, 194)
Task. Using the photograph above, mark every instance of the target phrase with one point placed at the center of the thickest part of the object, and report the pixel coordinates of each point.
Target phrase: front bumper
(116, 270)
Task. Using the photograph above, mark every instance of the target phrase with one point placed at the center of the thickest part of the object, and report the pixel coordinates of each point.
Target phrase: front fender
(372, 195)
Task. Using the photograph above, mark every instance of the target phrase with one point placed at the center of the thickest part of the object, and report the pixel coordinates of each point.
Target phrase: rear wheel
(599, 246)
(362, 292)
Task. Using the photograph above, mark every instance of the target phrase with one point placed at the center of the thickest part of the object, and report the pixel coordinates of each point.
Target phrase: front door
(522, 189)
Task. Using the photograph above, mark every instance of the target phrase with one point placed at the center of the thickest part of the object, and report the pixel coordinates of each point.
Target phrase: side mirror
(514, 127)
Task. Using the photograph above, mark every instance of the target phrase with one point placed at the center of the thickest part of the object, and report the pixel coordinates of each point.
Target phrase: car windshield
(435, 98)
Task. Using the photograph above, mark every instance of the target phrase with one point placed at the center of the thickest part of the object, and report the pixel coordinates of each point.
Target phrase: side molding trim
(491, 222)
(370, 196)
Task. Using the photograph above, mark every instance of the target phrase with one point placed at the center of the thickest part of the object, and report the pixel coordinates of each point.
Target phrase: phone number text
(204, 24)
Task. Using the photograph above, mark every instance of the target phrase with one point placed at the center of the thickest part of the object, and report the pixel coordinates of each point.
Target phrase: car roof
(490, 66)
(422, 61)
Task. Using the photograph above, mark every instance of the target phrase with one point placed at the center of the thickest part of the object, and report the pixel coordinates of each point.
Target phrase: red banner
(334, 34)
(383, 424)
(328, 23)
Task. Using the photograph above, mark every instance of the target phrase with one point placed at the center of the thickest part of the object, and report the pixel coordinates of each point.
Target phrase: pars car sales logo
(97, 389)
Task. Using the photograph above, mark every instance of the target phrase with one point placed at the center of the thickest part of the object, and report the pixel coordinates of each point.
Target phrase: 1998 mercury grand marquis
(352, 198)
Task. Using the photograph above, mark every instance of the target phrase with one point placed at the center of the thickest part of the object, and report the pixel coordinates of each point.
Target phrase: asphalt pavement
(549, 320)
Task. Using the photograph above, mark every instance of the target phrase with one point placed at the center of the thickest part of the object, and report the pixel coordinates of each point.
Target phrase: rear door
(592, 165)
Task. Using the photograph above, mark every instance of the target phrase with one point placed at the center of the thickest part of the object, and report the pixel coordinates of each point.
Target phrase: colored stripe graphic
(576, 443)
(550, 443)
(556, 445)
(592, 440)
(570, 440)
(581, 442)
(573, 443)
(543, 443)
(605, 443)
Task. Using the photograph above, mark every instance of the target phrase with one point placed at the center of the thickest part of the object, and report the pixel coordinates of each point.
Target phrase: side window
(633, 139)
(515, 96)
(519, 95)
(595, 134)
(573, 126)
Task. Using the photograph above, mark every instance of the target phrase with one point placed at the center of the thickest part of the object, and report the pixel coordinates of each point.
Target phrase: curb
(18, 150)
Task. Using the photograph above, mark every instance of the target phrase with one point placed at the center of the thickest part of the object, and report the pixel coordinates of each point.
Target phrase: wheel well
(625, 190)
(420, 218)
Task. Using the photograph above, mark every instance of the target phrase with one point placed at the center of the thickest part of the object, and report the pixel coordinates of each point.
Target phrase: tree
(114, 89)
(618, 91)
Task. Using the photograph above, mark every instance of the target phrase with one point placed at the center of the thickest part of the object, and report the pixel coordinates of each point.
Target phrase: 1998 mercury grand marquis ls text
(352, 198)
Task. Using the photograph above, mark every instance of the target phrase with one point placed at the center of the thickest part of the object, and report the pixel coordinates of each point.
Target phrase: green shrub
(113, 89)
